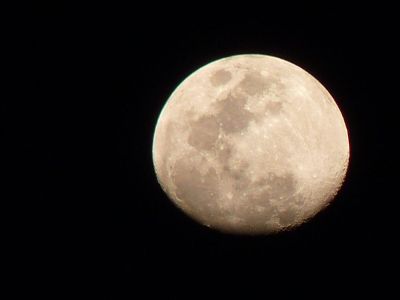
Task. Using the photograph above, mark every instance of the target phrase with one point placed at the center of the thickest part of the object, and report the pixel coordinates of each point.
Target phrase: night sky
(98, 77)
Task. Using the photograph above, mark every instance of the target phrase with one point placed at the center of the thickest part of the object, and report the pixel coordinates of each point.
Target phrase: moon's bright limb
(251, 144)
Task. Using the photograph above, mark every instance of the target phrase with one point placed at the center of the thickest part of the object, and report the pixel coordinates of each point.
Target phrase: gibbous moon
(251, 144)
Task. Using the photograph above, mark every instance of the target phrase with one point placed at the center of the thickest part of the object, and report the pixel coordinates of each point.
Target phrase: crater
(220, 77)
(272, 187)
(287, 217)
(281, 187)
(232, 116)
(224, 152)
(204, 133)
(257, 214)
(260, 199)
(266, 189)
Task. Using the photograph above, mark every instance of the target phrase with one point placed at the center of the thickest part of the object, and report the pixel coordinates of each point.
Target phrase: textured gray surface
(250, 144)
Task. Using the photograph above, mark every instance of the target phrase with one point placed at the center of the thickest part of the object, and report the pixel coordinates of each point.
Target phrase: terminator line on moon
(251, 144)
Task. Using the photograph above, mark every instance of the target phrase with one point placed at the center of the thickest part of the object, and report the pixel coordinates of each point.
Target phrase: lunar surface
(251, 144)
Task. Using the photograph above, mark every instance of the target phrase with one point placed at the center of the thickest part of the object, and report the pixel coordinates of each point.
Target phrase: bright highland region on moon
(251, 144)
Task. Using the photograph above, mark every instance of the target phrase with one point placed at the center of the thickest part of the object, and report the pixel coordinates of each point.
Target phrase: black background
(98, 77)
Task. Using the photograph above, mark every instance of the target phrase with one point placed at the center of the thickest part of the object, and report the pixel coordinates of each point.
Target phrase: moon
(250, 144)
